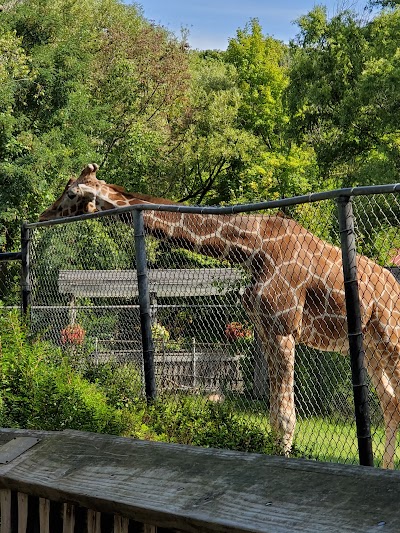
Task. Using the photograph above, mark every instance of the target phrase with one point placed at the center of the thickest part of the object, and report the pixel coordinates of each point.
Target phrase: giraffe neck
(113, 196)
(238, 239)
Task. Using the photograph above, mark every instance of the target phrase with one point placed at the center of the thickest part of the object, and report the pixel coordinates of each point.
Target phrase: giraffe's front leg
(280, 356)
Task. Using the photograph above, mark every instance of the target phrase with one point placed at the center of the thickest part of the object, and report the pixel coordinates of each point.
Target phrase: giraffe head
(87, 194)
(77, 198)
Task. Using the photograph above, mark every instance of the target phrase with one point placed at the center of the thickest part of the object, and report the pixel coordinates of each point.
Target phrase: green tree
(282, 167)
(262, 78)
(140, 82)
(103, 83)
(15, 75)
(343, 95)
(209, 151)
(384, 3)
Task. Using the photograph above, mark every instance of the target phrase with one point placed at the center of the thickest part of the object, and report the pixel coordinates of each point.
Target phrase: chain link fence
(222, 290)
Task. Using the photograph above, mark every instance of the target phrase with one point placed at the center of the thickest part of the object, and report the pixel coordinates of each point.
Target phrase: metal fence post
(354, 325)
(25, 275)
(144, 306)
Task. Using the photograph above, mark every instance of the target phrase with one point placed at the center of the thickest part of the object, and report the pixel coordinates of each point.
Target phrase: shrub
(63, 399)
(121, 383)
(194, 420)
(40, 390)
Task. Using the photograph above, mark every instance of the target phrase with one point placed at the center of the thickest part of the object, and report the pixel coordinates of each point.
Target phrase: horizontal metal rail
(233, 209)
(10, 256)
(127, 306)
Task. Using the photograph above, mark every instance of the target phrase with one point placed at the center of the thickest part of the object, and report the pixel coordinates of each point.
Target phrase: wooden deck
(192, 489)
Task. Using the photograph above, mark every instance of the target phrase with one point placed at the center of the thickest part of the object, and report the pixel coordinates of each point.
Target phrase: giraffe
(295, 294)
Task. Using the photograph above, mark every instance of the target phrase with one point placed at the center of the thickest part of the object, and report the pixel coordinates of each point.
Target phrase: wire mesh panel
(377, 220)
(248, 312)
(288, 292)
(83, 291)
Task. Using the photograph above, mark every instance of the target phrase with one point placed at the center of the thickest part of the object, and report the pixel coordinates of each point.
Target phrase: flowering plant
(235, 331)
(73, 334)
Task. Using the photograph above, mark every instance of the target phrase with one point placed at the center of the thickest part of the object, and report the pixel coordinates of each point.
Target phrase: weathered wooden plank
(69, 518)
(44, 515)
(7, 434)
(206, 490)
(121, 524)
(22, 512)
(5, 505)
(93, 521)
(147, 528)
(18, 445)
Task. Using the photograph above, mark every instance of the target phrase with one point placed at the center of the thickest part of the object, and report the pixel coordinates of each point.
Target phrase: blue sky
(212, 22)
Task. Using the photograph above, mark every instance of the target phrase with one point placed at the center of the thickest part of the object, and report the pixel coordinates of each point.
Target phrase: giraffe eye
(71, 195)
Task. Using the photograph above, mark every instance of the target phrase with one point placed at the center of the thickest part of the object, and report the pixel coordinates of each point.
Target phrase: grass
(323, 439)
(335, 441)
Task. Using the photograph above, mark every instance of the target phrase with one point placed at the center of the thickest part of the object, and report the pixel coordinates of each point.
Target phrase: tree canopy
(93, 80)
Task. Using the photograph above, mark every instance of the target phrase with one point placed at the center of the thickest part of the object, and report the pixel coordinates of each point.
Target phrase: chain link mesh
(210, 332)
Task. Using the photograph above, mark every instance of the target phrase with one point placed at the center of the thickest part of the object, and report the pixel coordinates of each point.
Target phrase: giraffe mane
(58, 201)
(281, 214)
(148, 198)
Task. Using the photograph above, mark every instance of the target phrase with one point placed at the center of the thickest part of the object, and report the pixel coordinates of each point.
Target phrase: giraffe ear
(90, 169)
(70, 182)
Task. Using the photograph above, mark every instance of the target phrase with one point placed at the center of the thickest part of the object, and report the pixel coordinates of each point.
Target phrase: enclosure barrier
(354, 330)
(23, 257)
(79, 482)
(373, 230)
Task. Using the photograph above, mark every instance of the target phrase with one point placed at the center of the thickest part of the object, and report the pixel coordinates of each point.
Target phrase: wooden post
(153, 307)
(354, 326)
(44, 515)
(144, 306)
(93, 521)
(68, 518)
(23, 512)
(5, 503)
(147, 528)
(72, 310)
(195, 383)
(260, 369)
(121, 524)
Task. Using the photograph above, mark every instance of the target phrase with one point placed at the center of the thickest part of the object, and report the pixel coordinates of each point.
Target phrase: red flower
(73, 334)
(236, 330)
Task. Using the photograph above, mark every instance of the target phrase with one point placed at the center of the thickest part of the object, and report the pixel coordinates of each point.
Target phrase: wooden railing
(72, 481)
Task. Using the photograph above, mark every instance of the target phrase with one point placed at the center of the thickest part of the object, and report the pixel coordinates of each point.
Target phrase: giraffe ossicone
(295, 295)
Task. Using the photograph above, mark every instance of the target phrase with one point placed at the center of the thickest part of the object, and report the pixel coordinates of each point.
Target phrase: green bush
(197, 421)
(121, 383)
(40, 390)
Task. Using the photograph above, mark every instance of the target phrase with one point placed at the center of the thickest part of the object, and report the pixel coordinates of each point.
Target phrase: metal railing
(14, 267)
